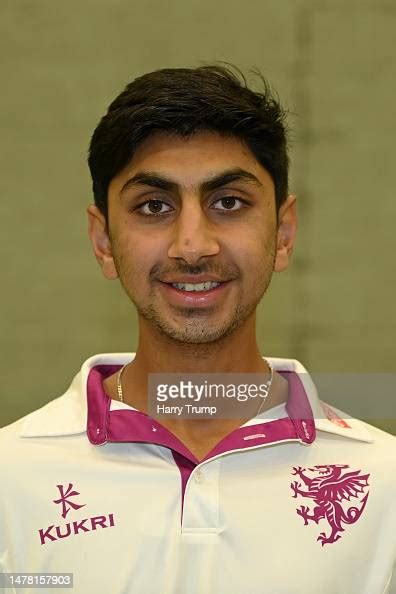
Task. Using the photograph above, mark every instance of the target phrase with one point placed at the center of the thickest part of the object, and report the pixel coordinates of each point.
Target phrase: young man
(192, 215)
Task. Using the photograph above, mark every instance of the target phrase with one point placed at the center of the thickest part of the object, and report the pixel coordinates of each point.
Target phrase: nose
(193, 235)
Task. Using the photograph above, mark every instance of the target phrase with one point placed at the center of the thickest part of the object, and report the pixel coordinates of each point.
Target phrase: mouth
(195, 294)
(196, 287)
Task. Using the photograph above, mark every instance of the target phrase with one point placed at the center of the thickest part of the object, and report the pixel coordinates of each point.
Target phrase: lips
(195, 298)
(194, 280)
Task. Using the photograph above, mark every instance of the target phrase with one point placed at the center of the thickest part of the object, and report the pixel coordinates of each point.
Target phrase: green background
(333, 64)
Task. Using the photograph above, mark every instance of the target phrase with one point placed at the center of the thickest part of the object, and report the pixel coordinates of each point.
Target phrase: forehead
(189, 160)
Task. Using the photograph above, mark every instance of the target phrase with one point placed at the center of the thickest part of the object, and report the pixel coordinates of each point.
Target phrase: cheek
(256, 247)
(256, 258)
(138, 256)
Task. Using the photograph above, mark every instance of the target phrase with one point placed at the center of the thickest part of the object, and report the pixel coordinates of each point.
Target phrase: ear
(98, 234)
(287, 227)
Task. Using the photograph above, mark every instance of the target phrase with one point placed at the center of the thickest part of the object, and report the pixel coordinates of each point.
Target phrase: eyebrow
(155, 180)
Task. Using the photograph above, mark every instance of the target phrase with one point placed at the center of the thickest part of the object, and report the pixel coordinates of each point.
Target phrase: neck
(157, 353)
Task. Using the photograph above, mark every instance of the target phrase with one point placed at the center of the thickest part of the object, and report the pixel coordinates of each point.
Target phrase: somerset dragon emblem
(331, 488)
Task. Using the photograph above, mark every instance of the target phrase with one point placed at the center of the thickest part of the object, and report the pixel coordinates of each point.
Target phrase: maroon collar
(129, 425)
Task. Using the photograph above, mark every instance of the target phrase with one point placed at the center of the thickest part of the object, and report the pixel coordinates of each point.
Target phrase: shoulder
(14, 431)
(65, 414)
(378, 435)
(363, 441)
(11, 431)
(37, 436)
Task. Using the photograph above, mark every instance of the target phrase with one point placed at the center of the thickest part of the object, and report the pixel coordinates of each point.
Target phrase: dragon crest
(331, 487)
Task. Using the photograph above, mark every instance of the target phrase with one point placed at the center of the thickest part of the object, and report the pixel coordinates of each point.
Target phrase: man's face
(197, 209)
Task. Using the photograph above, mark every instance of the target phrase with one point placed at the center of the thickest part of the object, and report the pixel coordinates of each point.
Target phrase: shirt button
(199, 477)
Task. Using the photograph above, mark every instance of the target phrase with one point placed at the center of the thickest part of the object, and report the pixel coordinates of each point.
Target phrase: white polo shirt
(299, 500)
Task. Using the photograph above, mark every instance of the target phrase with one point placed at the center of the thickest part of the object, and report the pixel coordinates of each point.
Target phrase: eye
(154, 207)
(229, 201)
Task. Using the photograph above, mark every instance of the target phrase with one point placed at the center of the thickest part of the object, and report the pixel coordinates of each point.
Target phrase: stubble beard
(195, 330)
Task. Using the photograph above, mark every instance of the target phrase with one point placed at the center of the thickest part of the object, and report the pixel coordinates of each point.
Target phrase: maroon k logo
(65, 499)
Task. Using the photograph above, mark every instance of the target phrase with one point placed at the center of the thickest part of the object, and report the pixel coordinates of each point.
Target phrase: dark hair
(183, 101)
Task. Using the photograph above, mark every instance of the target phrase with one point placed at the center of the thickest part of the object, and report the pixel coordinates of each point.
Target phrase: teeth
(195, 287)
